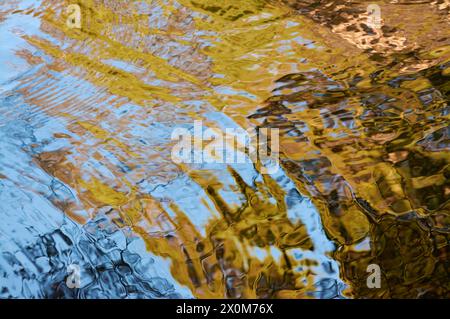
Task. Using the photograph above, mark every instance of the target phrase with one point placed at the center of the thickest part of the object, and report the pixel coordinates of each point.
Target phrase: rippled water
(86, 175)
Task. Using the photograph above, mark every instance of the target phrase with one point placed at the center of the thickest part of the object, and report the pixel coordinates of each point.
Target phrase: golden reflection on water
(363, 118)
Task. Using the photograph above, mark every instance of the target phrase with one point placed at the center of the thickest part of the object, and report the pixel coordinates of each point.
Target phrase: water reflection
(86, 175)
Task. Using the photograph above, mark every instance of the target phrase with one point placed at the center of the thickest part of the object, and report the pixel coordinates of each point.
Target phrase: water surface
(87, 178)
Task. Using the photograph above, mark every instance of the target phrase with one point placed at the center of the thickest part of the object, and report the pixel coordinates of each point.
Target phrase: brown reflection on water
(364, 133)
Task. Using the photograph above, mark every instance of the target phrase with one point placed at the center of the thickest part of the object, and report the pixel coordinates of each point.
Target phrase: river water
(87, 177)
